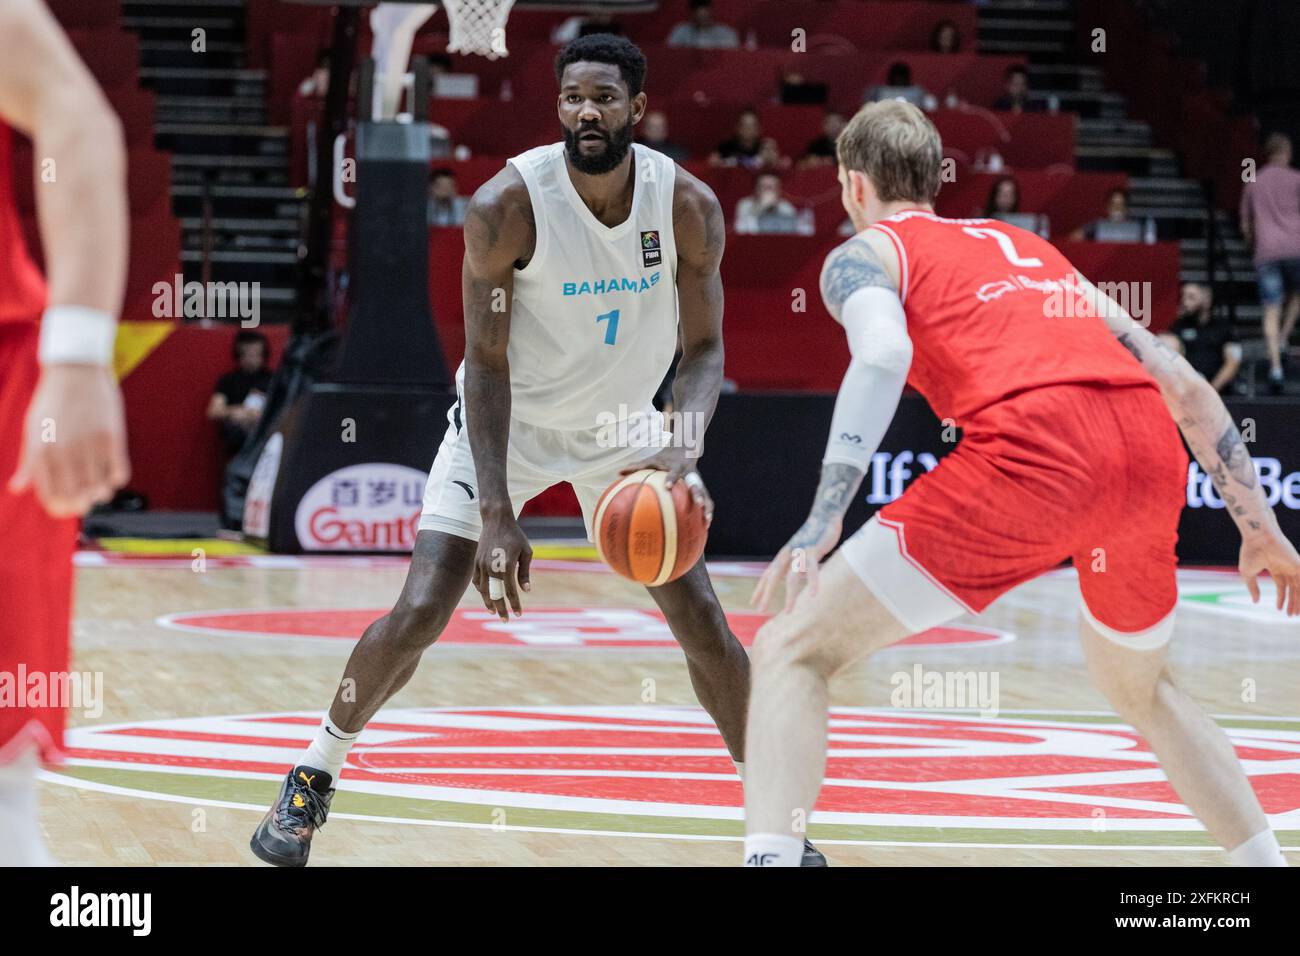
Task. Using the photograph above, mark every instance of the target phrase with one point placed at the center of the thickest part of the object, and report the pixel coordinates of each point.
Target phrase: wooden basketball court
(571, 736)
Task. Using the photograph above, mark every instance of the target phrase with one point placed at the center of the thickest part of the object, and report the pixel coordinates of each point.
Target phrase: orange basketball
(648, 532)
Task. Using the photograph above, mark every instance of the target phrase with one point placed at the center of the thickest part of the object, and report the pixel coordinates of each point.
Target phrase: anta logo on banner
(370, 507)
(889, 473)
(1280, 489)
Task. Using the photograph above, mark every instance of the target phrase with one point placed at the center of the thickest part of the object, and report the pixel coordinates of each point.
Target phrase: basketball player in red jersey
(1068, 451)
(62, 440)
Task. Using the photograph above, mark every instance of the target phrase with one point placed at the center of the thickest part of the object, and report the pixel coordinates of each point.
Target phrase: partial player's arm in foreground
(1213, 437)
(74, 445)
(860, 291)
(499, 232)
(700, 233)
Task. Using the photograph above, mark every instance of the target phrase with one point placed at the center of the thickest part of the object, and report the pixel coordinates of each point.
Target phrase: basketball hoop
(478, 26)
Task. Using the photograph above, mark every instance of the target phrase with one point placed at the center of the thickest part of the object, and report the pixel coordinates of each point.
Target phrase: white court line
(60, 780)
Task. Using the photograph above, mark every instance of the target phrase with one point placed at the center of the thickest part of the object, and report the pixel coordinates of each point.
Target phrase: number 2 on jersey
(1005, 244)
(611, 330)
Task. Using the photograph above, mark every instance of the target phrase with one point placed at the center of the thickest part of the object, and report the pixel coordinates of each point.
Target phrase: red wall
(176, 459)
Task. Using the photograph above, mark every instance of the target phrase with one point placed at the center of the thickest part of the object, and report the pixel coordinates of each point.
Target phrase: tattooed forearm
(1130, 343)
(1217, 444)
(1235, 456)
(1202, 417)
(839, 483)
(850, 267)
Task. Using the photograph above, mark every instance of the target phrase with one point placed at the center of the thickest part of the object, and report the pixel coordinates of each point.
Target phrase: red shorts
(35, 572)
(1093, 474)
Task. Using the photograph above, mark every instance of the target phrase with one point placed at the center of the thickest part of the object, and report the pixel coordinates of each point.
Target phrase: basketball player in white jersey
(581, 260)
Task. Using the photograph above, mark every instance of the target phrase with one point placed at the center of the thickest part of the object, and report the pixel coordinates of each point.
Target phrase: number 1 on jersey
(611, 330)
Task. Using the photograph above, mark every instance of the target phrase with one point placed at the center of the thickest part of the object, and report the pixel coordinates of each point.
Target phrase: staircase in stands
(230, 168)
(1109, 140)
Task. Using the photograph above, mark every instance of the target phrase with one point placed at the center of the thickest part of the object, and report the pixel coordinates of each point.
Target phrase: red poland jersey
(993, 310)
(22, 289)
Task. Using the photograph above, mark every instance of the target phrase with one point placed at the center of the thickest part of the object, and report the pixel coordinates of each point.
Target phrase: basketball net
(478, 26)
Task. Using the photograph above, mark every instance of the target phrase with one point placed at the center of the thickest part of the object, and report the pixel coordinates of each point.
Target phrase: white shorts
(878, 555)
(536, 459)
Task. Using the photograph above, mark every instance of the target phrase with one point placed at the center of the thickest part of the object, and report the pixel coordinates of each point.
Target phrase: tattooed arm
(700, 234)
(860, 289)
(1213, 438)
(499, 236)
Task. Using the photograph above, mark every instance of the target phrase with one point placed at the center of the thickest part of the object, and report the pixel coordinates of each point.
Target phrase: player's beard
(616, 147)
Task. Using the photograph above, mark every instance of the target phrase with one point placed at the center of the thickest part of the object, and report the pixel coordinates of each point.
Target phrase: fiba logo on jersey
(651, 254)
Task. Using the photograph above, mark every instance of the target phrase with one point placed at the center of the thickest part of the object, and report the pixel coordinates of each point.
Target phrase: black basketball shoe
(812, 856)
(284, 835)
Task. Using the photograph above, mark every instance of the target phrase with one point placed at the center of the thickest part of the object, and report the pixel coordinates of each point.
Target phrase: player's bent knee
(1129, 666)
(792, 641)
(416, 621)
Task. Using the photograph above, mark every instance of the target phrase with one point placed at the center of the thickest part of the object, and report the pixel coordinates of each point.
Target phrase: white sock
(1260, 850)
(20, 826)
(773, 849)
(329, 749)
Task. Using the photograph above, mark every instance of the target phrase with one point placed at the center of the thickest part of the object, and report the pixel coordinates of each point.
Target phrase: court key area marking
(1041, 779)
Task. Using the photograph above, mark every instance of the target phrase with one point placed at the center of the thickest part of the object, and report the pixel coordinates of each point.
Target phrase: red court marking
(562, 627)
(906, 764)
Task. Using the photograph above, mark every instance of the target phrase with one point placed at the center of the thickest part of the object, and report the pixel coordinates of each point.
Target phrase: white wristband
(77, 335)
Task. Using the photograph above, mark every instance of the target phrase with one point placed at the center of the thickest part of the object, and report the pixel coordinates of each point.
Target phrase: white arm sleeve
(876, 327)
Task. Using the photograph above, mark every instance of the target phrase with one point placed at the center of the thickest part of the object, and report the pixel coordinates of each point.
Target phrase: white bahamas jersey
(594, 324)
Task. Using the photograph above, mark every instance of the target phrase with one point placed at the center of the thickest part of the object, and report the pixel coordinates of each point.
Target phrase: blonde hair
(898, 149)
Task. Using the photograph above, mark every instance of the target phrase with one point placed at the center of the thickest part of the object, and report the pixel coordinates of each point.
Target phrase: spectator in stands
(770, 157)
(1204, 338)
(654, 133)
(240, 395)
(945, 38)
(447, 84)
(898, 85)
(1015, 93)
(1004, 198)
(1270, 221)
(1118, 225)
(1003, 204)
(821, 151)
(796, 90)
(748, 147)
(585, 24)
(767, 211)
(702, 31)
(446, 207)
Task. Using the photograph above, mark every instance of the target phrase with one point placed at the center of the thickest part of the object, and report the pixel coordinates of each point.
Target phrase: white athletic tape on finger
(496, 589)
